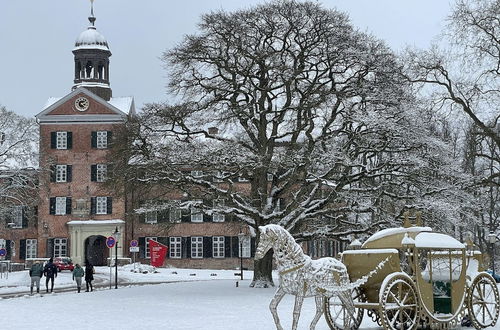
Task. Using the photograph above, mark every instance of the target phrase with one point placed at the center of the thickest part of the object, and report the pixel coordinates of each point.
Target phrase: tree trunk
(263, 272)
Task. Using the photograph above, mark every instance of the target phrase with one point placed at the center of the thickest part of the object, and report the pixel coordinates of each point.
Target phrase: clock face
(81, 104)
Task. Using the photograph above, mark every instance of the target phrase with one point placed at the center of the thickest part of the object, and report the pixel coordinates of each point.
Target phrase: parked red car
(63, 263)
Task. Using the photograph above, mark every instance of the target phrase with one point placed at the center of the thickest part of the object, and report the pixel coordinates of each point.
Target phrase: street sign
(134, 243)
(134, 249)
(110, 241)
(3, 252)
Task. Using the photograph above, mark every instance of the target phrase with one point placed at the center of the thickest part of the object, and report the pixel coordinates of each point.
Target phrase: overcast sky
(36, 38)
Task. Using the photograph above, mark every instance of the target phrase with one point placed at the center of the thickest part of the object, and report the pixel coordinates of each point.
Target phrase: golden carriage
(414, 277)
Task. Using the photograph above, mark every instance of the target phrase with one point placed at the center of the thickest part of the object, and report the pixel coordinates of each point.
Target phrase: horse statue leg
(296, 310)
(273, 306)
(319, 311)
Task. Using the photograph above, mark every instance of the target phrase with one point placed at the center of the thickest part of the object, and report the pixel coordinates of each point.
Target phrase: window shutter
(25, 217)
(207, 247)
(185, 215)
(142, 247)
(252, 247)
(52, 173)
(52, 205)
(185, 247)
(164, 241)
(109, 205)
(227, 246)
(109, 171)
(8, 249)
(235, 247)
(163, 215)
(92, 205)
(68, 205)
(69, 173)
(22, 249)
(69, 139)
(93, 173)
(53, 140)
(207, 217)
(109, 136)
(93, 140)
(50, 248)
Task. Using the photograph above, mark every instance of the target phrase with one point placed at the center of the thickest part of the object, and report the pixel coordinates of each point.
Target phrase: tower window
(102, 139)
(62, 140)
(89, 70)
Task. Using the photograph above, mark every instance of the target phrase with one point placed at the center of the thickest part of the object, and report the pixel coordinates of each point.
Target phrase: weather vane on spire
(92, 17)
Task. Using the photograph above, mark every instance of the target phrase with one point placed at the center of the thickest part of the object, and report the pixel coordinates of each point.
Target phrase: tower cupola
(92, 54)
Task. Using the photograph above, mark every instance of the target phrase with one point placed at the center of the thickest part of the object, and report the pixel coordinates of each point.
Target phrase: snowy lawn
(197, 302)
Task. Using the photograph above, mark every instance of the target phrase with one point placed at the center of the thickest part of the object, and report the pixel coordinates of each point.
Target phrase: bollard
(237, 283)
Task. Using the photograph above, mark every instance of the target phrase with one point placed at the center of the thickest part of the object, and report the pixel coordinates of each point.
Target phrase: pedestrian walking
(78, 273)
(36, 273)
(50, 272)
(89, 276)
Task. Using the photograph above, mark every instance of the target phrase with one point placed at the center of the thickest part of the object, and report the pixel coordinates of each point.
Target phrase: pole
(116, 265)
(110, 273)
(241, 259)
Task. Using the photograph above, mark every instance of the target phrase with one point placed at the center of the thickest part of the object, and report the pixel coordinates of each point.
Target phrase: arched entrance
(96, 251)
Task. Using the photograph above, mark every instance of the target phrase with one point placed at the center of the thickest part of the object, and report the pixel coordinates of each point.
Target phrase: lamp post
(240, 237)
(116, 235)
(492, 238)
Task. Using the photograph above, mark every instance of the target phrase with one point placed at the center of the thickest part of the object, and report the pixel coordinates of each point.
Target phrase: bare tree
(18, 145)
(293, 117)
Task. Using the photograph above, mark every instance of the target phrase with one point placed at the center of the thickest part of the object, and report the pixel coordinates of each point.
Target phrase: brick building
(76, 211)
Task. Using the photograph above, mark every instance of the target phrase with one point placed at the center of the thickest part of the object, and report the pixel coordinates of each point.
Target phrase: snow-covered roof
(370, 251)
(397, 230)
(125, 104)
(96, 222)
(437, 241)
(91, 39)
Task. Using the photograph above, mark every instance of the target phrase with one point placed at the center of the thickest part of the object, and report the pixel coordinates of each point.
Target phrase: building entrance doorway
(96, 251)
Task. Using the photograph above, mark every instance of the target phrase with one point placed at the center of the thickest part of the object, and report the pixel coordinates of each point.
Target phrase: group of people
(37, 271)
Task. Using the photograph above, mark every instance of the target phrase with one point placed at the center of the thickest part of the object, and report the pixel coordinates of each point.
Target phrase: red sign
(158, 252)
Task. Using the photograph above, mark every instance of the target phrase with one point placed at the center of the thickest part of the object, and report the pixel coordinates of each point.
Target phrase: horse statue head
(270, 236)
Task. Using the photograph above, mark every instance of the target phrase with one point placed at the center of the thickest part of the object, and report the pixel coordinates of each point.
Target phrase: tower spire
(92, 17)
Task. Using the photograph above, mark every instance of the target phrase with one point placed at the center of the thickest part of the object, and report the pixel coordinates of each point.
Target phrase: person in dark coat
(89, 275)
(50, 272)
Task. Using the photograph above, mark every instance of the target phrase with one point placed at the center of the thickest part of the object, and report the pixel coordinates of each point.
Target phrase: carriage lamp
(355, 244)
(117, 236)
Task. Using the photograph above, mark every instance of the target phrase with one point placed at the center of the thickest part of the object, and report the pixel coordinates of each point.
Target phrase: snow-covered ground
(202, 301)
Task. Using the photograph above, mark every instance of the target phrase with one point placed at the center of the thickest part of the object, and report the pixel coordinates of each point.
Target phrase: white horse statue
(303, 277)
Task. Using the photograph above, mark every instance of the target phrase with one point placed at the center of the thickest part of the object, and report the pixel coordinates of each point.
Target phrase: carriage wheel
(336, 314)
(399, 303)
(483, 301)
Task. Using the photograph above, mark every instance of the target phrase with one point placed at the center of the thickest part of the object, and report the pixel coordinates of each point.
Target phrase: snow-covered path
(200, 301)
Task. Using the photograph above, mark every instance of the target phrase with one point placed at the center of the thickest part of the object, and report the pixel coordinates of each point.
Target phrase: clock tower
(92, 61)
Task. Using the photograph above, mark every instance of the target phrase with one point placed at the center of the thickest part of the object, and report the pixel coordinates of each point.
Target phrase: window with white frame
(175, 247)
(196, 247)
(147, 253)
(101, 172)
(197, 173)
(102, 139)
(218, 246)
(62, 140)
(3, 243)
(61, 173)
(196, 214)
(17, 216)
(31, 246)
(13, 248)
(60, 247)
(151, 216)
(60, 205)
(175, 214)
(101, 205)
(218, 216)
(244, 247)
(218, 176)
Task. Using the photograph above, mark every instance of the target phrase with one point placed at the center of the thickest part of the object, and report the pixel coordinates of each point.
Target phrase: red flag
(158, 252)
